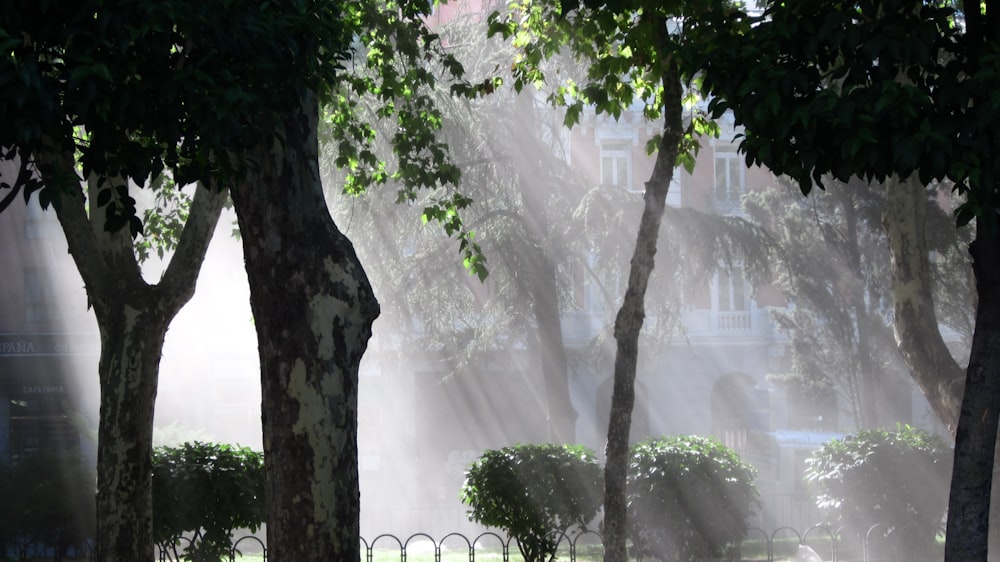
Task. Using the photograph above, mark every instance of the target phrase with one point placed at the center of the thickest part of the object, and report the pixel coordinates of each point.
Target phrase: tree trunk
(131, 344)
(132, 317)
(629, 322)
(542, 278)
(866, 369)
(975, 438)
(545, 298)
(915, 326)
(313, 308)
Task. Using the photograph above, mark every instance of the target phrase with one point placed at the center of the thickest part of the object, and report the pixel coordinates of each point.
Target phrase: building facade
(47, 334)
(711, 379)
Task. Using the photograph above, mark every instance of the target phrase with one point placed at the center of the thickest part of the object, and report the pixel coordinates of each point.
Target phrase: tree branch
(177, 284)
(58, 166)
(915, 324)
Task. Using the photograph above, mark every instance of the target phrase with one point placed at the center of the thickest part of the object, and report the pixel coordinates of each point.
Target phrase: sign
(42, 389)
(44, 345)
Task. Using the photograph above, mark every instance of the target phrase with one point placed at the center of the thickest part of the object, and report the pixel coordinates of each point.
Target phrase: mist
(456, 366)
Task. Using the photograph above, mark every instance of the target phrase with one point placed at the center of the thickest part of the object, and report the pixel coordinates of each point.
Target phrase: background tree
(689, 498)
(898, 479)
(892, 92)
(206, 490)
(536, 493)
(835, 265)
(522, 189)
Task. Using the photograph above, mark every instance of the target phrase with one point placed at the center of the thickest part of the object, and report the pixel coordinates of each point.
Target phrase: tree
(533, 211)
(310, 296)
(118, 94)
(835, 267)
(892, 92)
(689, 498)
(536, 493)
(208, 490)
(70, 101)
(629, 56)
(893, 478)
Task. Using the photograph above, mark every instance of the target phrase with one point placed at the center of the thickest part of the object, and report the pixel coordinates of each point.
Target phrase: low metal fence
(819, 543)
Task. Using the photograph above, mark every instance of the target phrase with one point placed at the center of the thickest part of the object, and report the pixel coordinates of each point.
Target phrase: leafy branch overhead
(623, 57)
(872, 90)
(395, 67)
(182, 95)
(179, 94)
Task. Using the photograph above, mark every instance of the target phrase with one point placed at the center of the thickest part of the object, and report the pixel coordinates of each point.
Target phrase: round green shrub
(206, 491)
(535, 493)
(689, 498)
(898, 479)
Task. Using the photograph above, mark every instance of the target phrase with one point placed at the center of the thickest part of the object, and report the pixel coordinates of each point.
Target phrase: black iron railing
(821, 542)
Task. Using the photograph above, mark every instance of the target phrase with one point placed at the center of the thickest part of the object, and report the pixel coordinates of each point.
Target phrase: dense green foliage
(135, 87)
(205, 491)
(48, 497)
(624, 54)
(536, 493)
(689, 498)
(894, 478)
(867, 89)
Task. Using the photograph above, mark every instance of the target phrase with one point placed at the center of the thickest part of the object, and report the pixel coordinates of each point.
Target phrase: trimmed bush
(535, 493)
(899, 479)
(689, 498)
(205, 491)
(48, 497)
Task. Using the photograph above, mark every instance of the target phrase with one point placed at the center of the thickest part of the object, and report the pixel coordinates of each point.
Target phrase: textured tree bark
(132, 317)
(629, 322)
(915, 323)
(313, 309)
(975, 438)
(131, 344)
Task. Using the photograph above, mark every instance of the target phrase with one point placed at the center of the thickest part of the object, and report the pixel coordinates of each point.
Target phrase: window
(39, 223)
(40, 424)
(731, 303)
(674, 193)
(732, 291)
(616, 165)
(588, 291)
(730, 178)
(39, 302)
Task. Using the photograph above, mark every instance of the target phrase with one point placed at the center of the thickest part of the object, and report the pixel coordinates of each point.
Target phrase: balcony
(735, 323)
(580, 326)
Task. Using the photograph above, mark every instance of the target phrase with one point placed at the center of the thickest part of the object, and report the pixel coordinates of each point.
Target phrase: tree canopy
(868, 89)
(898, 92)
